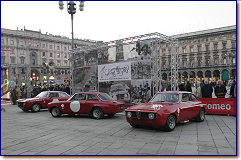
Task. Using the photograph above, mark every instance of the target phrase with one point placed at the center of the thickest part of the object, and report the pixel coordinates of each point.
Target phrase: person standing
(198, 92)
(188, 86)
(232, 88)
(13, 95)
(18, 92)
(206, 90)
(220, 90)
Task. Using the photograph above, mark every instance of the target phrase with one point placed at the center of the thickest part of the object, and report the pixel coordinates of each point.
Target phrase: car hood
(28, 99)
(149, 106)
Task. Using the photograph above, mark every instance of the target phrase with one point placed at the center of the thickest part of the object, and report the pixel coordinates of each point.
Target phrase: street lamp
(71, 8)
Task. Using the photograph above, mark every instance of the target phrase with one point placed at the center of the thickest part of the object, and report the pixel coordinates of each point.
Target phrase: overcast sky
(113, 20)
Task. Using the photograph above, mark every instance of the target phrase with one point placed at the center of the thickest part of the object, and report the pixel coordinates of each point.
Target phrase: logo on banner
(219, 106)
(114, 72)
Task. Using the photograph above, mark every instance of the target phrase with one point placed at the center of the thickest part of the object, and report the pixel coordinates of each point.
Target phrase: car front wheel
(97, 113)
(170, 123)
(56, 112)
(36, 107)
(201, 115)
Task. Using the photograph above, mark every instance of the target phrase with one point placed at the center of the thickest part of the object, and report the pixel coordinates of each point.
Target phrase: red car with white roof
(41, 100)
(95, 104)
(166, 109)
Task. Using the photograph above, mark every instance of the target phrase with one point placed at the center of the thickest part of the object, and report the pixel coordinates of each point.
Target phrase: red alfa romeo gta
(41, 100)
(166, 109)
(95, 104)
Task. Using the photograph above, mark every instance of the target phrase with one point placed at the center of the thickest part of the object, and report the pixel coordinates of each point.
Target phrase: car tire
(170, 123)
(36, 107)
(201, 115)
(97, 113)
(25, 110)
(56, 112)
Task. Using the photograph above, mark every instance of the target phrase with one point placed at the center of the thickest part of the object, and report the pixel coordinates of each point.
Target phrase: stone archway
(216, 75)
(225, 75)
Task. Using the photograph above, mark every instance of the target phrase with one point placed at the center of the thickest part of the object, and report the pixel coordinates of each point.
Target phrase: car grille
(141, 114)
(20, 103)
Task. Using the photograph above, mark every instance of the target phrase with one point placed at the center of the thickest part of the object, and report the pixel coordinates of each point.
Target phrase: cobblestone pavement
(40, 134)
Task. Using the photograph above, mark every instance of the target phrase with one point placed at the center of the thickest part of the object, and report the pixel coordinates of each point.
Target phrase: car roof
(89, 92)
(179, 92)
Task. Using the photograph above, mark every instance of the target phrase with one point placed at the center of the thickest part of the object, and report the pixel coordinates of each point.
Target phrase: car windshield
(165, 98)
(105, 97)
(42, 95)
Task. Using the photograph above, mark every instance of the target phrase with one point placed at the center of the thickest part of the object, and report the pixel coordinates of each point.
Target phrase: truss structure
(156, 40)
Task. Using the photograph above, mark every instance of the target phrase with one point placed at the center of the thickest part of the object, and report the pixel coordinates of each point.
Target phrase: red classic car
(95, 104)
(165, 110)
(41, 100)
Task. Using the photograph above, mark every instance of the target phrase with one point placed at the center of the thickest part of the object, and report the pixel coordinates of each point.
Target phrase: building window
(65, 63)
(50, 46)
(233, 44)
(207, 61)
(57, 47)
(215, 46)
(207, 47)
(199, 61)
(58, 55)
(58, 63)
(224, 60)
(184, 50)
(22, 60)
(191, 62)
(21, 52)
(191, 49)
(21, 43)
(2, 59)
(199, 48)
(234, 60)
(184, 63)
(11, 42)
(164, 64)
(22, 71)
(43, 54)
(65, 55)
(13, 60)
(216, 60)
(65, 49)
(43, 45)
(35, 45)
(2, 41)
(224, 45)
(51, 54)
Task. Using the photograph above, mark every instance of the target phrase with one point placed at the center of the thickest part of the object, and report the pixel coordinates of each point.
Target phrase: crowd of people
(206, 89)
(19, 92)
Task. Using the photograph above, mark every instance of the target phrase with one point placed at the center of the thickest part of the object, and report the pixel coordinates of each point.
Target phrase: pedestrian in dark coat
(13, 95)
(220, 90)
(181, 87)
(206, 90)
(232, 89)
(188, 87)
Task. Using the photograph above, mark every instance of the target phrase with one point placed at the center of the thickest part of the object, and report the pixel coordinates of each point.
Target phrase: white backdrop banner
(114, 72)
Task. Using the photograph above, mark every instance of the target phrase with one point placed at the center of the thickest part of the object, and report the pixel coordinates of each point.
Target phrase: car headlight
(128, 114)
(151, 115)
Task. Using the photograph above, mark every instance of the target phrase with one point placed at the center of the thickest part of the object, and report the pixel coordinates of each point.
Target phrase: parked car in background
(95, 104)
(41, 100)
(166, 109)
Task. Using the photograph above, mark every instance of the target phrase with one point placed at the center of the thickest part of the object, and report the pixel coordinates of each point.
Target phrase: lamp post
(71, 8)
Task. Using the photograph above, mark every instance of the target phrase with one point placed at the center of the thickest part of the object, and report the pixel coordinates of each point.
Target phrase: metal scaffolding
(155, 40)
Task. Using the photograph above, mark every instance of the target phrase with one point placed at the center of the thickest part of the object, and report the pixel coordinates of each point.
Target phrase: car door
(91, 101)
(186, 107)
(76, 104)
